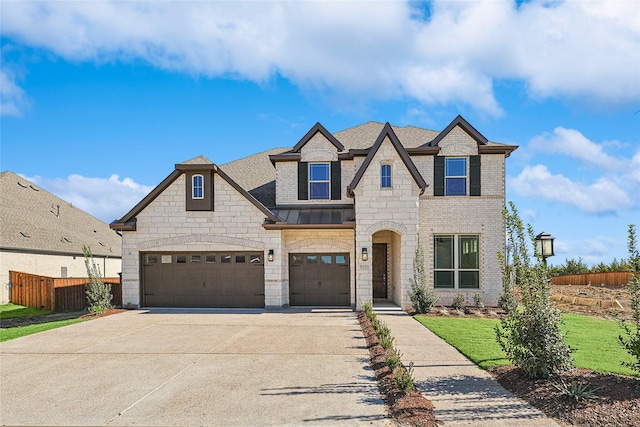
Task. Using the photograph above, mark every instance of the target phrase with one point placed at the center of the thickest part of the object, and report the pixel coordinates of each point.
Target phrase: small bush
(422, 297)
(97, 292)
(577, 390)
(631, 340)
(458, 302)
(393, 359)
(404, 378)
(478, 301)
(444, 311)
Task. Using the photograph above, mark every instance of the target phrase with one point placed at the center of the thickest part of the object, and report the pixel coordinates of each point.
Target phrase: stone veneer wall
(394, 209)
(236, 224)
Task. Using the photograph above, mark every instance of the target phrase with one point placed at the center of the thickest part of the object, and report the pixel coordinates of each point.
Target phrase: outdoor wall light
(365, 254)
(544, 246)
(270, 255)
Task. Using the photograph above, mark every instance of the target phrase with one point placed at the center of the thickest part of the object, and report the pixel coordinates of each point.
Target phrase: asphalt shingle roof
(32, 219)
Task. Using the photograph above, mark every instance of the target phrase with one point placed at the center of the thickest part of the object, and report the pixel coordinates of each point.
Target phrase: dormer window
(319, 181)
(197, 187)
(385, 176)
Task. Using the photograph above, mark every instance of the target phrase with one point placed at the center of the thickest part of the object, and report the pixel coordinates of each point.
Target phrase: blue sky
(99, 100)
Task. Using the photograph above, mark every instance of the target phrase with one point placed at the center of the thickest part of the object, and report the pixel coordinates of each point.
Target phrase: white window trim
(193, 187)
(328, 181)
(456, 261)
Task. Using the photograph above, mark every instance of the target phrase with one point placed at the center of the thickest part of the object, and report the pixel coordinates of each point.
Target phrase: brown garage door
(319, 279)
(214, 279)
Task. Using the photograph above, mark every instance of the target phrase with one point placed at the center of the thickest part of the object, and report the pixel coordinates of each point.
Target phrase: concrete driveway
(178, 367)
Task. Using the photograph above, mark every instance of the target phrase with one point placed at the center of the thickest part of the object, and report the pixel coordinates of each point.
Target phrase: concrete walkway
(462, 393)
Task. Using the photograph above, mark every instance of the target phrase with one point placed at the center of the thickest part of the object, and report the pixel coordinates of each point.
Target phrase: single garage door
(319, 279)
(212, 279)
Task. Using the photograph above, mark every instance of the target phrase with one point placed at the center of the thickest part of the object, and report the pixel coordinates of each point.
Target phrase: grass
(7, 334)
(594, 341)
(9, 311)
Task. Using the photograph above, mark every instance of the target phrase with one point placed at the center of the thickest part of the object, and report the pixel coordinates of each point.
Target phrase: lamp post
(544, 247)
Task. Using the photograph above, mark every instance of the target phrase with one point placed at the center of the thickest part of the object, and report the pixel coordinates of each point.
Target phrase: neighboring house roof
(33, 220)
(387, 131)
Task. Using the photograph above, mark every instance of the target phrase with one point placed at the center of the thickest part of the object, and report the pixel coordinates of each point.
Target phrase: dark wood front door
(380, 270)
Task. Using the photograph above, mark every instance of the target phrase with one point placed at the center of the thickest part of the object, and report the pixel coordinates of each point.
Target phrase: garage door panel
(229, 279)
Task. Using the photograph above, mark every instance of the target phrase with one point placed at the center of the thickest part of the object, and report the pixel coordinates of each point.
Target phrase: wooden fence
(614, 278)
(56, 294)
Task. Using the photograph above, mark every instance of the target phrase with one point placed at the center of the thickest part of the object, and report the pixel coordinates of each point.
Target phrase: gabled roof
(32, 220)
(312, 132)
(128, 221)
(387, 131)
(459, 121)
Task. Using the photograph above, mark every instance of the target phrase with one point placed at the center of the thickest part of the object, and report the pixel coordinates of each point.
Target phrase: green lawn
(7, 334)
(594, 341)
(9, 311)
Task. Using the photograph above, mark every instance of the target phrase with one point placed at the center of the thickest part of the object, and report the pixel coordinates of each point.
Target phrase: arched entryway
(386, 271)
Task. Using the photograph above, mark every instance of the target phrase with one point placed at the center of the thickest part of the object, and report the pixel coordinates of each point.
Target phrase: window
(319, 183)
(196, 258)
(385, 176)
(225, 259)
(210, 259)
(456, 176)
(241, 259)
(197, 187)
(456, 262)
(181, 259)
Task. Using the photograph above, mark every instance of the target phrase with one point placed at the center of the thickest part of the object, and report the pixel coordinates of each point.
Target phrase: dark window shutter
(474, 175)
(336, 181)
(438, 176)
(303, 181)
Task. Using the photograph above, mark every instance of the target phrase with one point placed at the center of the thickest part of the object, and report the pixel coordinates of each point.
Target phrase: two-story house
(333, 221)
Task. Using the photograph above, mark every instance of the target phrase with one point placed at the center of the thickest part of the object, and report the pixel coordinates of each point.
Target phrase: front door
(380, 270)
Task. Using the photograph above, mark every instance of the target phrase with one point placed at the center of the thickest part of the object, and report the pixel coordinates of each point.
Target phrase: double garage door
(212, 279)
(236, 279)
(319, 279)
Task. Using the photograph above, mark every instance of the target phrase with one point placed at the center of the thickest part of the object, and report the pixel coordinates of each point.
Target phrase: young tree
(98, 293)
(631, 342)
(422, 298)
(530, 335)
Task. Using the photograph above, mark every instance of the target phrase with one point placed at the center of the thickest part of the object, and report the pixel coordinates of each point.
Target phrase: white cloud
(105, 198)
(381, 50)
(574, 144)
(602, 196)
(13, 100)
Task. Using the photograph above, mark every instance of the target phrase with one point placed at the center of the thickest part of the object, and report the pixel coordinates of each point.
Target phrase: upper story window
(385, 176)
(456, 176)
(197, 187)
(319, 182)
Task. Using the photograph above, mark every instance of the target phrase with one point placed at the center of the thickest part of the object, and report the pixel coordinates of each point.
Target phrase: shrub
(631, 342)
(530, 335)
(577, 390)
(393, 359)
(422, 298)
(404, 378)
(478, 301)
(97, 292)
(458, 302)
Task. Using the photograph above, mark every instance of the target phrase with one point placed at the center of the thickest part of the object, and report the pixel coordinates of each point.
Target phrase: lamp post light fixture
(365, 254)
(544, 246)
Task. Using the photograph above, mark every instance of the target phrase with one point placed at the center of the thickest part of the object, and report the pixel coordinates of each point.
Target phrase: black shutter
(303, 181)
(474, 175)
(438, 176)
(336, 181)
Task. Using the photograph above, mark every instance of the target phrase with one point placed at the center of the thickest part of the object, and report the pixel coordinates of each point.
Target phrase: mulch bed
(411, 409)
